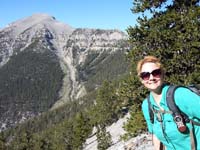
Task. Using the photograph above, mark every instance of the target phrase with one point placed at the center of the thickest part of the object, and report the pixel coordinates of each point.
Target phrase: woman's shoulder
(145, 104)
(177, 90)
(182, 90)
(184, 96)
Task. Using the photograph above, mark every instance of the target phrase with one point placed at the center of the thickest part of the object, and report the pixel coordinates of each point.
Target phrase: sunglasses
(146, 75)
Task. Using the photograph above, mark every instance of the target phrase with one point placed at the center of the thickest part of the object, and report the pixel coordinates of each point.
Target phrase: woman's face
(151, 76)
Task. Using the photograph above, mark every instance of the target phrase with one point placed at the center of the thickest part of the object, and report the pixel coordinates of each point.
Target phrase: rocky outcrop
(141, 142)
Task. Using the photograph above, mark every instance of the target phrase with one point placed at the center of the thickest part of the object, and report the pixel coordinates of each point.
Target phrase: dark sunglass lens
(145, 75)
(156, 73)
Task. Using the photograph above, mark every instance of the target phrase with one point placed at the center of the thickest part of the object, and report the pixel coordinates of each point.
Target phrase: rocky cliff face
(43, 37)
(84, 42)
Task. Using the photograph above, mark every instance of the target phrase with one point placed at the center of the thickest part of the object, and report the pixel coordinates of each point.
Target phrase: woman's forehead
(149, 66)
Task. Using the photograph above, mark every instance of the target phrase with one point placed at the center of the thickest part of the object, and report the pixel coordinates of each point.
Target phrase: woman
(164, 129)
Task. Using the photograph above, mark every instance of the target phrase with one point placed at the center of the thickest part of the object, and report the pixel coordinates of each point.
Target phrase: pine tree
(67, 134)
(107, 106)
(2, 142)
(172, 34)
(81, 130)
(103, 138)
(168, 30)
(135, 125)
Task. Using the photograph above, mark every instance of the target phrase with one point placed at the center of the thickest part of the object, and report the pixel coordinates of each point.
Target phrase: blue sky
(103, 14)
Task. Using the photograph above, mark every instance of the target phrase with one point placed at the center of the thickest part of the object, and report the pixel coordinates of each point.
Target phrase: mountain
(45, 63)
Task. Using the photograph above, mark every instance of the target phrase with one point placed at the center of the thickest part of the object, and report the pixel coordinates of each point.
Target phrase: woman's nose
(151, 77)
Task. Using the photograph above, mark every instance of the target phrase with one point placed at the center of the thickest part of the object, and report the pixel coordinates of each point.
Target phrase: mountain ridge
(81, 54)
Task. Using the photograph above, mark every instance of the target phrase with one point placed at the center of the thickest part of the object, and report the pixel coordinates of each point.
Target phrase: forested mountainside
(171, 34)
(46, 64)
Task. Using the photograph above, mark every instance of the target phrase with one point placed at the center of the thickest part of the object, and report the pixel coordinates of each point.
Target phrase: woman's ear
(163, 74)
(142, 81)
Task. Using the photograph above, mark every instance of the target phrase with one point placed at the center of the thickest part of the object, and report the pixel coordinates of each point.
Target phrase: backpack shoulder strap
(172, 105)
(170, 100)
(151, 115)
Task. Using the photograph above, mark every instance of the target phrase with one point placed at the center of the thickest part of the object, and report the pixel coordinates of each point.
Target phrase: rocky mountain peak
(39, 21)
(24, 32)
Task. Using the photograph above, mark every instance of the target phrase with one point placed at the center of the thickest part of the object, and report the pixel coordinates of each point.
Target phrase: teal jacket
(166, 130)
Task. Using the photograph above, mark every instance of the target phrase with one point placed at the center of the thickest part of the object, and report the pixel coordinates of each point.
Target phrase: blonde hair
(146, 59)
